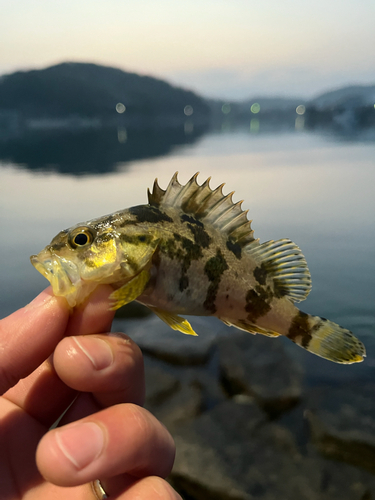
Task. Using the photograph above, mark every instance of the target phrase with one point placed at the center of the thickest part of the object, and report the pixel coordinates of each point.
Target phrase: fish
(191, 251)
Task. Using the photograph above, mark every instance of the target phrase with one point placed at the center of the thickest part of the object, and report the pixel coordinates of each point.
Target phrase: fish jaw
(63, 275)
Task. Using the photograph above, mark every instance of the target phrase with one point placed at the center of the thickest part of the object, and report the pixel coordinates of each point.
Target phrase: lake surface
(317, 190)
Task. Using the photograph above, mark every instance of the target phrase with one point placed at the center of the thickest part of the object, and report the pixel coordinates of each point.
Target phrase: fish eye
(142, 238)
(81, 237)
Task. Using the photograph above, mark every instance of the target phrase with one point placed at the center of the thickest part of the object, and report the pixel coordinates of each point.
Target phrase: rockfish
(191, 251)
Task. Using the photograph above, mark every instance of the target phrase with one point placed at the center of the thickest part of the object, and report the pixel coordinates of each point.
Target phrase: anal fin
(174, 321)
(130, 291)
(243, 324)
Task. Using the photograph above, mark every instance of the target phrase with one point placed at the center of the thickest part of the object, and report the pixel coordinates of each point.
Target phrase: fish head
(80, 258)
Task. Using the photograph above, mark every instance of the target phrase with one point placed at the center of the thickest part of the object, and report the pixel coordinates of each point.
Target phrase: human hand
(48, 362)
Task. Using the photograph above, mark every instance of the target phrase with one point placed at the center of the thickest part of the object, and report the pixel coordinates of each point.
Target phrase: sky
(229, 49)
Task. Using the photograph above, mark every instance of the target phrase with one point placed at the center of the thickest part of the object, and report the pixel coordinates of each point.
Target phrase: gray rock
(208, 383)
(156, 338)
(342, 423)
(260, 367)
(160, 385)
(202, 468)
(172, 395)
(181, 407)
(234, 452)
(339, 481)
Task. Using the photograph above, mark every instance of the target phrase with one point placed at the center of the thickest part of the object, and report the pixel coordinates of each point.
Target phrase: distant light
(300, 110)
(299, 123)
(120, 108)
(254, 125)
(255, 108)
(225, 126)
(225, 108)
(188, 110)
(122, 135)
(188, 127)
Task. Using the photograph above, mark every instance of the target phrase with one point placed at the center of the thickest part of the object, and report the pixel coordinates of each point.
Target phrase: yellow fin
(130, 291)
(249, 327)
(332, 342)
(174, 321)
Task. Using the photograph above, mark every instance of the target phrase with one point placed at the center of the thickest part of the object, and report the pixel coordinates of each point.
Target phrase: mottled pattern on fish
(191, 251)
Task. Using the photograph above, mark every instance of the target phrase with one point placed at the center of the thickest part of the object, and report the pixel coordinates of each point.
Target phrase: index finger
(43, 384)
(29, 336)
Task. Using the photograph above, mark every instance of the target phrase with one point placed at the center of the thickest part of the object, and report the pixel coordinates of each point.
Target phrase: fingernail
(81, 444)
(97, 350)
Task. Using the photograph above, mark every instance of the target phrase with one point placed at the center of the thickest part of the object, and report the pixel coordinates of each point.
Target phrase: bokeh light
(255, 108)
(120, 108)
(300, 110)
(225, 108)
(188, 110)
(254, 125)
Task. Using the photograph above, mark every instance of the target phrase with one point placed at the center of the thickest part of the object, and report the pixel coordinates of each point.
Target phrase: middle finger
(44, 384)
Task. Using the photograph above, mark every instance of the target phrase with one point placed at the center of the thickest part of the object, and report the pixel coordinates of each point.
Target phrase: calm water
(316, 190)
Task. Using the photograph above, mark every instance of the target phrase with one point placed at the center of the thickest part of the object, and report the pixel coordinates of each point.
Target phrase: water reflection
(303, 186)
(94, 151)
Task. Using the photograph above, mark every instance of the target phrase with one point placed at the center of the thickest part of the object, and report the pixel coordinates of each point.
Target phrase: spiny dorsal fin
(210, 206)
(284, 261)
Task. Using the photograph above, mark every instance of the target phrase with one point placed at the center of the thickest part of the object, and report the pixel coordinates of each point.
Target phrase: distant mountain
(83, 96)
(361, 95)
(92, 91)
(348, 108)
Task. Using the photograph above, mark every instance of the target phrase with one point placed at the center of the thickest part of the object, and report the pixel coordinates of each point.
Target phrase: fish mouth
(61, 273)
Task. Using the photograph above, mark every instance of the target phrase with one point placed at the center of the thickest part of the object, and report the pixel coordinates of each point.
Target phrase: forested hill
(90, 90)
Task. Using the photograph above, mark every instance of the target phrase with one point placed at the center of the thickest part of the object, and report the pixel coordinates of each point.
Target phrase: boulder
(342, 423)
(234, 453)
(260, 367)
(160, 385)
(157, 339)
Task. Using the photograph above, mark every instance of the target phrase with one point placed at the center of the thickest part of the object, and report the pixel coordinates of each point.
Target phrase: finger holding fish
(108, 365)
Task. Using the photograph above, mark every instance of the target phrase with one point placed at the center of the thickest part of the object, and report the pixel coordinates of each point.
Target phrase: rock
(342, 423)
(202, 468)
(181, 407)
(260, 367)
(207, 382)
(172, 396)
(160, 385)
(339, 481)
(232, 452)
(156, 338)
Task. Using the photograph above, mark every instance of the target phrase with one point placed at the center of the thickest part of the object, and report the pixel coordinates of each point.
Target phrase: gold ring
(98, 490)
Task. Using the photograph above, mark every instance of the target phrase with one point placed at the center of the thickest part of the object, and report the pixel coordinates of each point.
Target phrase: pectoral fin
(130, 291)
(174, 321)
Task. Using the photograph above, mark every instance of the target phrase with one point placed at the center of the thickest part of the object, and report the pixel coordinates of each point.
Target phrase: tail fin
(326, 339)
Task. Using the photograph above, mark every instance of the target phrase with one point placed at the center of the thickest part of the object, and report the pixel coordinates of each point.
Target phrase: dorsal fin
(209, 206)
(284, 261)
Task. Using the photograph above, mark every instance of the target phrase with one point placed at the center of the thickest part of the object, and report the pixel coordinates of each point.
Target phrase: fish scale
(191, 251)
